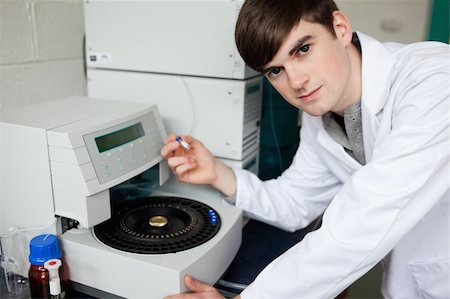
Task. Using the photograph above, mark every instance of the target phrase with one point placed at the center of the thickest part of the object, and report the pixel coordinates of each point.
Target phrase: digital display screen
(117, 138)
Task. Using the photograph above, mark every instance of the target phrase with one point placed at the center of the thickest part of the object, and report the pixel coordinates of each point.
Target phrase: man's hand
(198, 165)
(199, 290)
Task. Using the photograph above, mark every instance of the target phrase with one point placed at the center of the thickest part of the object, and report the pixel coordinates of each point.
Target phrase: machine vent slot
(250, 143)
(252, 109)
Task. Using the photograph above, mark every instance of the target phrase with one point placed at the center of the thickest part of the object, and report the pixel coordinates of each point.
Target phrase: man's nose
(297, 77)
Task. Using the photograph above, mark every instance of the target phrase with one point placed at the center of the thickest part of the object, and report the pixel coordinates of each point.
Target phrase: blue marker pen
(183, 143)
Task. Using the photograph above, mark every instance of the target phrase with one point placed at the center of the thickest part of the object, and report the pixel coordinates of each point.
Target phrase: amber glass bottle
(39, 282)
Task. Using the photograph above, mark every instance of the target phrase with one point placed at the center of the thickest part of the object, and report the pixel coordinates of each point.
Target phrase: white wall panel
(60, 29)
(402, 21)
(22, 85)
(16, 32)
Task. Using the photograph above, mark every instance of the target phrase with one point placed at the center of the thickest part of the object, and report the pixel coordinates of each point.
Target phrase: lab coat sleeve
(379, 204)
(294, 199)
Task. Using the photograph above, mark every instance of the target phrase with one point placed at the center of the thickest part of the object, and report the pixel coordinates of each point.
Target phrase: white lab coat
(394, 208)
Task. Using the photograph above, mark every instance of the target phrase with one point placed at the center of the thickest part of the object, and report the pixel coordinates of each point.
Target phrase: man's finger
(168, 149)
(196, 285)
(171, 137)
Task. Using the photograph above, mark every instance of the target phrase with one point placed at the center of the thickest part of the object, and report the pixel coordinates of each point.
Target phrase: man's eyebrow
(300, 44)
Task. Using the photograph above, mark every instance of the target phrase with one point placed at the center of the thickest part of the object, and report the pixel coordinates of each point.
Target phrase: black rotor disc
(158, 225)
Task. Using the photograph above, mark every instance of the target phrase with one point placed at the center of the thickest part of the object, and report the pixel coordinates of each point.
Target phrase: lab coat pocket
(432, 278)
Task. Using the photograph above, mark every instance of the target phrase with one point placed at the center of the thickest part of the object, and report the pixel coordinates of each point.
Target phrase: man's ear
(342, 27)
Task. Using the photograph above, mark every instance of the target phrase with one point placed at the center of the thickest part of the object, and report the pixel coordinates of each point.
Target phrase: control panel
(120, 149)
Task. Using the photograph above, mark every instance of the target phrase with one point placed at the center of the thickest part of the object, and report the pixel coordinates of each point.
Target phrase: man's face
(316, 71)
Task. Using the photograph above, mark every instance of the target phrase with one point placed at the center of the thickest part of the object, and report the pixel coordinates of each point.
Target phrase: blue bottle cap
(43, 248)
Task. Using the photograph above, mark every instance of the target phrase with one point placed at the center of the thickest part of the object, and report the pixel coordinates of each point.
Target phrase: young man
(373, 157)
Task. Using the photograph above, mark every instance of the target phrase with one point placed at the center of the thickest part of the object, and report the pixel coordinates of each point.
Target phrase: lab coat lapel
(377, 64)
(336, 149)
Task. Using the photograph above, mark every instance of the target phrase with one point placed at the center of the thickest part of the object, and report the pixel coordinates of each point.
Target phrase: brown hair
(263, 25)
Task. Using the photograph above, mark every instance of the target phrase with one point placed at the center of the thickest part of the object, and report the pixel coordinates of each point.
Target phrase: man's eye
(303, 50)
(274, 72)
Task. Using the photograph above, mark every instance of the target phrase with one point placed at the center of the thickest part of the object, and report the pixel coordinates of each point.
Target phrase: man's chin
(314, 112)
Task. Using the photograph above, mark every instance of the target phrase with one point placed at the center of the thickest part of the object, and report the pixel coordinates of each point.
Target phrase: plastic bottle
(42, 249)
(54, 281)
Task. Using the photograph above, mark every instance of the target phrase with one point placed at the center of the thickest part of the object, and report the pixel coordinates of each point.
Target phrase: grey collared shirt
(351, 139)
